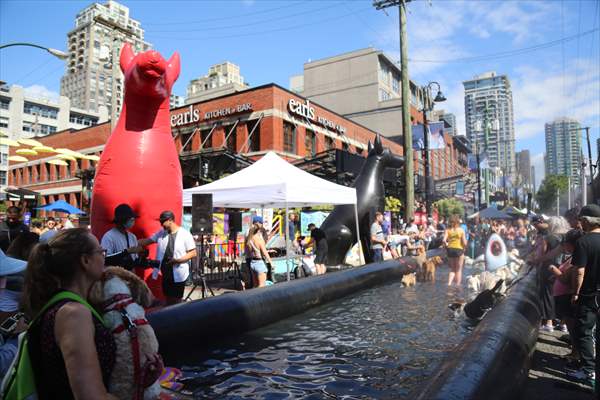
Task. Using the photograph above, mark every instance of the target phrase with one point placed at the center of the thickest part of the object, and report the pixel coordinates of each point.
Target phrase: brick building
(218, 136)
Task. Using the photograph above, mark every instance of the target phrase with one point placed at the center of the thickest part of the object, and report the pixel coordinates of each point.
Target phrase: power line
(261, 22)
(229, 17)
(288, 28)
(509, 53)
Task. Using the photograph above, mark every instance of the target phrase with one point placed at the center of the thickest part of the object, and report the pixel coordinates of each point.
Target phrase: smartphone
(8, 326)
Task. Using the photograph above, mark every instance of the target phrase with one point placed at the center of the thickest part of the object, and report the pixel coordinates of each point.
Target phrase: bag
(19, 381)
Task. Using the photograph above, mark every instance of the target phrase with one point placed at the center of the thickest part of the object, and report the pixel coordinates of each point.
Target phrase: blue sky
(271, 40)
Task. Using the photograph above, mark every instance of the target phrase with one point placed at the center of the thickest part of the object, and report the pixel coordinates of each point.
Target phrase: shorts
(454, 253)
(321, 253)
(563, 307)
(258, 266)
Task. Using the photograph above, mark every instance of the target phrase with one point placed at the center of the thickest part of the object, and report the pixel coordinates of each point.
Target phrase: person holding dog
(176, 247)
(455, 242)
(71, 352)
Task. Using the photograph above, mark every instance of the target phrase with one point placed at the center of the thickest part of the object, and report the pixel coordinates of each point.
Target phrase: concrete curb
(201, 321)
(493, 361)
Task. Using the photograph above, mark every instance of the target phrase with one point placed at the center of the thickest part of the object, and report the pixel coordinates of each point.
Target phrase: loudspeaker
(202, 216)
(235, 222)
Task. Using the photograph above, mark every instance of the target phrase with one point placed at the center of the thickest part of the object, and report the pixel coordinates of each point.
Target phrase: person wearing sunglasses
(71, 351)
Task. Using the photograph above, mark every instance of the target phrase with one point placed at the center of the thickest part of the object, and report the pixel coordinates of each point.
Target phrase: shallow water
(380, 343)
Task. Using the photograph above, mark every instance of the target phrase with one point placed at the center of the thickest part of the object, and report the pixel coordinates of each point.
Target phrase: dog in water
(484, 302)
(409, 279)
(427, 273)
(120, 295)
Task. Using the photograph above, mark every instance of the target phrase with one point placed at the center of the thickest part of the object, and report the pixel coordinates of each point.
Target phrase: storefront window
(254, 140)
(310, 143)
(289, 137)
(231, 140)
(203, 138)
(329, 143)
(186, 143)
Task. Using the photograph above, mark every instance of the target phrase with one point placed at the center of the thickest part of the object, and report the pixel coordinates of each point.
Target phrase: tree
(448, 207)
(546, 195)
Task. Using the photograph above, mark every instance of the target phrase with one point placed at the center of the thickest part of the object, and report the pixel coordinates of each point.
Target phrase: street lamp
(427, 107)
(61, 55)
(583, 165)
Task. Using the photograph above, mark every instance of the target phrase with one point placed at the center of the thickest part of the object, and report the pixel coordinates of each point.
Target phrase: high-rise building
(523, 172)
(563, 148)
(533, 182)
(93, 77)
(489, 120)
(598, 148)
(176, 101)
(221, 79)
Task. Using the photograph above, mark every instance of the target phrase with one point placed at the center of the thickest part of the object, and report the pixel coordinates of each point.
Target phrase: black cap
(123, 212)
(591, 210)
(572, 236)
(537, 219)
(166, 215)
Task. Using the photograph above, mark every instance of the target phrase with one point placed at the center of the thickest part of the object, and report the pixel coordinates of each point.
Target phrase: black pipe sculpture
(340, 225)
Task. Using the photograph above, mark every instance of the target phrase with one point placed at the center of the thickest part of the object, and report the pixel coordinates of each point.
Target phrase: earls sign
(305, 110)
(193, 114)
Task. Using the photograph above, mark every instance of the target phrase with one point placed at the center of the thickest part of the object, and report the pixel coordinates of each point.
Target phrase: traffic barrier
(493, 361)
(186, 325)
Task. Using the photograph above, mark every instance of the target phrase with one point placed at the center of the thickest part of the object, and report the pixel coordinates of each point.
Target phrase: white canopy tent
(272, 182)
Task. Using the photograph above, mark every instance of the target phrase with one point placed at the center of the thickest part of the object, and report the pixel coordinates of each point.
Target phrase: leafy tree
(392, 204)
(546, 195)
(448, 207)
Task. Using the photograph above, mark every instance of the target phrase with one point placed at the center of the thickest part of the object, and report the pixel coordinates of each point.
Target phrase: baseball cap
(9, 265)
(257, 219)
(537, 219)
(591, 210)
(123, 212)
(166, 215)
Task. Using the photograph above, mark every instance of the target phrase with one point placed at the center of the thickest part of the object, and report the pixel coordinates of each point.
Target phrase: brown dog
(409, 279)
(428, 270)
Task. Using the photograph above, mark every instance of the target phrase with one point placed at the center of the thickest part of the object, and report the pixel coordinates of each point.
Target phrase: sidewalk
(547, 378)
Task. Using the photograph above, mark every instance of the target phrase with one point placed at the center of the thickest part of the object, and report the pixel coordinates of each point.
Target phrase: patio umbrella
(61, 206)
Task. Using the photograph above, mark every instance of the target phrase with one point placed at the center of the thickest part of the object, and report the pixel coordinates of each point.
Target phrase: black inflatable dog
(484, 302)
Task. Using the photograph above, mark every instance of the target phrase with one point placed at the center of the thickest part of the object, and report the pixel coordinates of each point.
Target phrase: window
(395, 84)
(345, 146)
(203, 139)
(3, 122)
(3, 178)
(232, 139)
(186, 143)
(254, 140)
(310, 143)
(289, 137)
(384, 95)
(329, 144)
(4, 103)
(42, 111)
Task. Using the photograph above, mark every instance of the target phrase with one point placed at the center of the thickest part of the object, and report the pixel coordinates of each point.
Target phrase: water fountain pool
(380, 343)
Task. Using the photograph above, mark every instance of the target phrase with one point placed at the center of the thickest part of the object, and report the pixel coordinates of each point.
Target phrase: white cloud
(40, 91)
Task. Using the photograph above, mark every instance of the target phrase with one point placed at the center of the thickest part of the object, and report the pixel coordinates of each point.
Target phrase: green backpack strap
(19, 381)
(66, 295)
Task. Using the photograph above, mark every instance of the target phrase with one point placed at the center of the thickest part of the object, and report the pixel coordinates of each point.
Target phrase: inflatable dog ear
(127, 57)
(173, 69)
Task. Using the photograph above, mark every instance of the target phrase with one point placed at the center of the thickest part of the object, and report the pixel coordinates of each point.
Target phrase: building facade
(222, 79)
(93, 77)
(212, 136)
(362, 85)
(563, 148)
(489, 119)
(523, 175)
(24, 115)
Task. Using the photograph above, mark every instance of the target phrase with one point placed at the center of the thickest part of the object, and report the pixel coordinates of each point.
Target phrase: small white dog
(121, 294)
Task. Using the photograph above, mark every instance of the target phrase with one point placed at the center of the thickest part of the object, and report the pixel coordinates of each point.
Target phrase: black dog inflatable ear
(378, 145)
(369, 147)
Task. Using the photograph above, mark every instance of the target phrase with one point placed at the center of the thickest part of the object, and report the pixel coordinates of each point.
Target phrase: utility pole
(591, 166)
(569, 192)
(478, 175)
(409, 199)
(486, 130)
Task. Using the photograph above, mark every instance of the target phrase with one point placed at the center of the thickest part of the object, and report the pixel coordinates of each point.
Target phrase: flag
(418, 137)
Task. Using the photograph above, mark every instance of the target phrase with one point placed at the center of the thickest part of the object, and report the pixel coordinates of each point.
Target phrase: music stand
(198, 276)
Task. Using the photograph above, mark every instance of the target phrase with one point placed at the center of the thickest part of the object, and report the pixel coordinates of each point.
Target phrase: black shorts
(454, 253)
(563, 307)
(321, 253)
(169, 286)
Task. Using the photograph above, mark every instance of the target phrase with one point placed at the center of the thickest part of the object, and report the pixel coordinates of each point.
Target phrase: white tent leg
(361, 256)
(287, 245)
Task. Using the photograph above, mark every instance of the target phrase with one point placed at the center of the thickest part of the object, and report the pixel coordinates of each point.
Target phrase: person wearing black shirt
(11, 227)
(319, 241)
(586, 260)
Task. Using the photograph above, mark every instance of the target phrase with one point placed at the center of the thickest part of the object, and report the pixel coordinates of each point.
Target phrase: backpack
(19, 381)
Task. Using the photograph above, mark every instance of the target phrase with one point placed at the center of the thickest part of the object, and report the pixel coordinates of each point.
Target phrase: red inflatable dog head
(148, 74)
